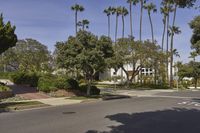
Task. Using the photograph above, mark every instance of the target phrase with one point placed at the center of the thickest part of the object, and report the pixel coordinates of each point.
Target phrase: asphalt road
(132, 115)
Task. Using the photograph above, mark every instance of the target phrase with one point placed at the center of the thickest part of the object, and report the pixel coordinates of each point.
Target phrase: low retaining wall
(6, 94)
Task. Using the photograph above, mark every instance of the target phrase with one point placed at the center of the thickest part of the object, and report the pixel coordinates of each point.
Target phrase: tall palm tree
(168, 7)
(177, 4)
(84, 24)
(116, 11)
(108, 12)
(164, 11)
(131, 2)
(77, 8)
(142, 2)
(151, 8)
(173, 30)
(123, 13)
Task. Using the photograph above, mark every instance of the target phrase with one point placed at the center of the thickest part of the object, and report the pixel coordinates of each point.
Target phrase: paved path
(28, 92)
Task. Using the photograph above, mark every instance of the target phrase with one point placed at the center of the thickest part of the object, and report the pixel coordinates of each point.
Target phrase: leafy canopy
(28, 55)
(85, 52)
(8, 38)
(195, 40)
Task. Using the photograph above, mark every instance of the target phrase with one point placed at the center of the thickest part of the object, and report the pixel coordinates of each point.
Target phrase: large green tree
(195, 40)
(8, 38)
(28, 55)
(191, 69)
(137, 54)
(85, 52)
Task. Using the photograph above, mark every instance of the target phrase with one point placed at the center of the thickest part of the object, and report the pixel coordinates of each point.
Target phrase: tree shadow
(177, 120)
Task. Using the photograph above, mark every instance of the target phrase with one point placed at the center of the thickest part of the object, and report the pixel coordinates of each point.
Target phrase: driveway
(27, 92)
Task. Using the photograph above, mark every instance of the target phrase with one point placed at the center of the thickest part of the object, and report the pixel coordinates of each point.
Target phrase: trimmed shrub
(46, 84)
(93, 91)
(61, 83)
(65, 83)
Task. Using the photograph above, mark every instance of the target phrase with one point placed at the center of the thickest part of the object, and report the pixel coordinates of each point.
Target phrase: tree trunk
(167, 49)
(127, 76)
(123, 26)
(141, 16)
(163, 35)
(196, 81)
(76, 19)
(116, 28)
(171, 49)
(108, 26)
(149, 14)
(89, 87)
(83, 27)
(131, 23)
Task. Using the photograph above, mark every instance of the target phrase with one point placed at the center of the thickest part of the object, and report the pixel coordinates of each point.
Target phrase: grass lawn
(11, 106)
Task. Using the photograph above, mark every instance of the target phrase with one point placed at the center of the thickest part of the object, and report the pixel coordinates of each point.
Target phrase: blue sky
(49, 21)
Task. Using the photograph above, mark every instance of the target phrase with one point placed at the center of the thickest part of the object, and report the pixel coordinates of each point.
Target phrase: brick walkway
(28, 92)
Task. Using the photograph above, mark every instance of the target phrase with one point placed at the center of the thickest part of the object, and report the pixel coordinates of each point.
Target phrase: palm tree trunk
(141, 16)
(164, 30)
(76, 19)
(171, 49)
(116, 29)
(149, 14)
(108, 26)
(123, 26)
(131, 23)
(167, 49)
(83, 27)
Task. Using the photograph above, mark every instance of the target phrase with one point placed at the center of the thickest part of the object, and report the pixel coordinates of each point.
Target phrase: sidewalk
(58, 101)
(142, 92)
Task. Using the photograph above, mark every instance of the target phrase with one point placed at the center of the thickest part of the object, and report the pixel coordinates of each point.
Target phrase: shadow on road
(177, 120)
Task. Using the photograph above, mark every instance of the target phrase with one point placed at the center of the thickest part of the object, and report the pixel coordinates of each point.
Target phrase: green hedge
(66, 83)
(5, 75)
(47, 83)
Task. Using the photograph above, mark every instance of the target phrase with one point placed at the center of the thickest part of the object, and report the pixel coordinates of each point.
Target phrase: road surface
(177, 114)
